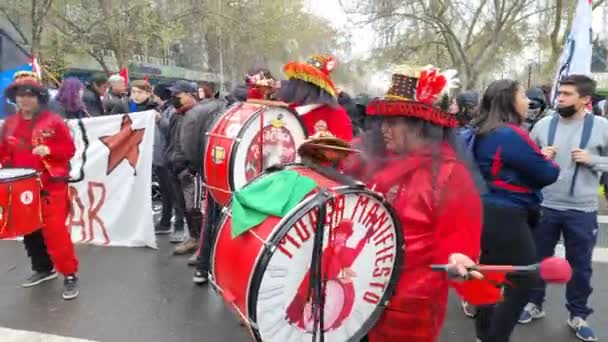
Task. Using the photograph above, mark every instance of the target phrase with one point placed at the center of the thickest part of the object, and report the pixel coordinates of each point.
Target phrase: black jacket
(92, 101)
(116, 104)
(196, 123)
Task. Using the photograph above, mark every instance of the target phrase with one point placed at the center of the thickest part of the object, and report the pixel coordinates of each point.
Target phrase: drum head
(277, 143)
(7, 175)
(362, 257)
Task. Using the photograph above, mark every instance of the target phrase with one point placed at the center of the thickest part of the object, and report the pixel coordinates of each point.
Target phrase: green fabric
(275, 194)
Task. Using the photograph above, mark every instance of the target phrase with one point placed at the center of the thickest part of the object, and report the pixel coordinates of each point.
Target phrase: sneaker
(469, 310)
(188, 246)
(200, 278)
(178, 236)
(70, 287)
(582, 329)
(160, 229)
(38, 278)
(192, 260)
(530, 313)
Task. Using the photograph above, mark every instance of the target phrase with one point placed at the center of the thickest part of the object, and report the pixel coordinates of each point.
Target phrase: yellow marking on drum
(218, 154)
(277, 123)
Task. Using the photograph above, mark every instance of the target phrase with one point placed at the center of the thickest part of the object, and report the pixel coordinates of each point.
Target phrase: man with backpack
(578, 142)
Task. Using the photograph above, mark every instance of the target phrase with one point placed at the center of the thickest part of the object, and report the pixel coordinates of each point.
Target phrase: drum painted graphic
(246, 140)
(20, 206)
(361, 258)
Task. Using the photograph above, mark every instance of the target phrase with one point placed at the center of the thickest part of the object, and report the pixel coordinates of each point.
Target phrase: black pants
(213, 213)
(506, 240)
(36, 250)
(192, 189)
(166, 190)
(179, 203)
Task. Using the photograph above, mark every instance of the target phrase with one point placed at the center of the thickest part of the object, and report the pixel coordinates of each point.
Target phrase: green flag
(275, 194)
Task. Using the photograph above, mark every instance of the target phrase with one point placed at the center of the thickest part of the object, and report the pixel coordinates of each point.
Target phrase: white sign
(111, 200)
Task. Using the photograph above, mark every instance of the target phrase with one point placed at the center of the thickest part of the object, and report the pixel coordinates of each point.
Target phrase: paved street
(131, 295)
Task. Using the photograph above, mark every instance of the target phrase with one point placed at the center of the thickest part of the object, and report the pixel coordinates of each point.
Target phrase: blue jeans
(580, 234)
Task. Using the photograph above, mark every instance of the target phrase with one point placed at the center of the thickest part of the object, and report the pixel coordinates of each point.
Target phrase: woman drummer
(433, 191)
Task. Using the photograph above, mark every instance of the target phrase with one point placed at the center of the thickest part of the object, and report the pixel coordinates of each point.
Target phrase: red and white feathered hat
(316, 70)
(414, 93)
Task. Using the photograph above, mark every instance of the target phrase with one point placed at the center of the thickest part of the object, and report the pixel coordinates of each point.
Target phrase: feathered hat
(316, 70)
(414, 93)
(28, 86)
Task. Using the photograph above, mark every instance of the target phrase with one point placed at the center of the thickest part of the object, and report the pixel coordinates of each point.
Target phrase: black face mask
(176, 102)
(566, 112)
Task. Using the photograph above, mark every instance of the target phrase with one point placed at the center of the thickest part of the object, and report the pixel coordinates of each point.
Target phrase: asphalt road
(137, 294)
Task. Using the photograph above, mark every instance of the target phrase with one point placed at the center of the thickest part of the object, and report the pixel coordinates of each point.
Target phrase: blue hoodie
(513, 167)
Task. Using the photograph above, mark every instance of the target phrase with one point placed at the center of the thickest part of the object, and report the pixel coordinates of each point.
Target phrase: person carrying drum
(312, 93)
(38, 139)
(421, 172)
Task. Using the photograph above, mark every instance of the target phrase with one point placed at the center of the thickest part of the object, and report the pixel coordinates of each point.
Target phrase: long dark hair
(497, 107)
(303, 93)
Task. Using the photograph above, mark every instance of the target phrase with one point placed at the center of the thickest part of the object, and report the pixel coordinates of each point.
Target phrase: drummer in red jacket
(35, 138)
(418, 170)
(313, 95)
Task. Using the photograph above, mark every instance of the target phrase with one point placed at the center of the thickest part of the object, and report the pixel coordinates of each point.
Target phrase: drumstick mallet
(552, 270)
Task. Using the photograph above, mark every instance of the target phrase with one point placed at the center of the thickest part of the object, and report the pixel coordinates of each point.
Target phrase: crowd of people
(472, 177)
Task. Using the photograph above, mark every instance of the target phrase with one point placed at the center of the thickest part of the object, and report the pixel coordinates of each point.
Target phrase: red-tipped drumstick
(552, 270)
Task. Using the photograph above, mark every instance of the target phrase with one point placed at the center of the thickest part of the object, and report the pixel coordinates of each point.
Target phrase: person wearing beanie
(171, 199)
(537, 109)
(38, 139)
(313, 95)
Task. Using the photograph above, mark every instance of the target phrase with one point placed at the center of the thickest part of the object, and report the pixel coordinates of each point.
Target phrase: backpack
(585, 136)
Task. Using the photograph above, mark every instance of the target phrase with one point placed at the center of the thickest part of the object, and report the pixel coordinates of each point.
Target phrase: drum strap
(317, 282)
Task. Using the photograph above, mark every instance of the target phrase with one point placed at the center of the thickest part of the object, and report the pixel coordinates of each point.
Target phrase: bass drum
(244, 141)
(264, 273)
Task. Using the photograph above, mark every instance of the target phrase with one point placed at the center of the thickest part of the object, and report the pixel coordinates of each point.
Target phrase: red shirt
(335, 119)
(19, 137)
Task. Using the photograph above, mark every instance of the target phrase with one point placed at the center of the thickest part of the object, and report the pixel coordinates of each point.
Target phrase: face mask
(566, 112)
(176, 102)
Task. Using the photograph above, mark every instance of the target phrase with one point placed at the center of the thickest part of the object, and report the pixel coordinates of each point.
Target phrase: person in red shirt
(313, 95)
(38, 139)
(417, 166)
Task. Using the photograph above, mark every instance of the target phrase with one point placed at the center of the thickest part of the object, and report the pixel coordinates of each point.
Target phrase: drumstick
(552, 270)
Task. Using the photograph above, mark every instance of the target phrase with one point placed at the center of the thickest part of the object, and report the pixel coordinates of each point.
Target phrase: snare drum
(245, 140)
(20, 206)
(263, 273)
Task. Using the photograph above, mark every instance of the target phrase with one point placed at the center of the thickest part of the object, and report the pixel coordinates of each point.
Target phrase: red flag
(36, 67)
(482, 292)
(146, 79)
(125, 74)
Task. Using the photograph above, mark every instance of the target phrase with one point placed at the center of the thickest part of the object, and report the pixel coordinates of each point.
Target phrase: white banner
(111, 198)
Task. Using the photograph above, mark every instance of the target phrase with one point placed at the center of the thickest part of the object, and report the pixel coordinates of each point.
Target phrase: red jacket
(440, 213)
(19, 137)
(335, 119)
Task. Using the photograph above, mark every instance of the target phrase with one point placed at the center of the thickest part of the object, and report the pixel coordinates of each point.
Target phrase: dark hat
(536, 94)
(27, 86)
(183, 87)
(468, 99)
(163, 91)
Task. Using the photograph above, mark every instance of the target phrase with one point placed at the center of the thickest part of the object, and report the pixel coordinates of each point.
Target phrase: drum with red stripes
(20, 206)
(244, 141)
(263, 274)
